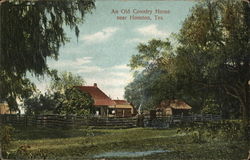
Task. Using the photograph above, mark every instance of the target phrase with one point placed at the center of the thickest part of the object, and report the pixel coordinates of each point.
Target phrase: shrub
(6, 134)
(228, 130)
(211, 107)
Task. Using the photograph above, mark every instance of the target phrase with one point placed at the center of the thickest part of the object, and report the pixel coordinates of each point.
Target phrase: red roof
(99, 97)
(121, 102)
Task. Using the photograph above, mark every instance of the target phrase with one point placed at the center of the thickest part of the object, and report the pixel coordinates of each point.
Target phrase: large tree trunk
(241, 93)
(245, 103)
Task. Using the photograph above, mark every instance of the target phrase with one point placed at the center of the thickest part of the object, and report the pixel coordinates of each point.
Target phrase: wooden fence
(67, 121)
(167, 121)
(101, 122)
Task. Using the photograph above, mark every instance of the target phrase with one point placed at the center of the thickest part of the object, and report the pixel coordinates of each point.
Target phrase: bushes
(227, 130)
(6, 134)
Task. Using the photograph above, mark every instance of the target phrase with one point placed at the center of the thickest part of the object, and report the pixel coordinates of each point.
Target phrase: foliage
(40, 104)
(210, 63)
(34, 31)
(6, 136)
(31, 32)
(62, 97)
(211, 108)
(13, 87)
(152, 67)
(232, 130)
(75, 102)
(23, 152)
(64, 81)
(68, 98)
(214, 50)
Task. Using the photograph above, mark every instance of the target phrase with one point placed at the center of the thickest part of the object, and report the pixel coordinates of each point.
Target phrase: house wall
(171, 111)
(183, 112)
(119, 112)
(4, 108)
(126, 106)
(168, 112)
(123, 112)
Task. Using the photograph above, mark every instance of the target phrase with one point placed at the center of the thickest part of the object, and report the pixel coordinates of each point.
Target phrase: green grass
(82, 143)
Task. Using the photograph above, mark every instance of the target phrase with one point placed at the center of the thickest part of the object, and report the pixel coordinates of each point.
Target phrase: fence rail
(99, 122)
(166, 121)
(66, 121)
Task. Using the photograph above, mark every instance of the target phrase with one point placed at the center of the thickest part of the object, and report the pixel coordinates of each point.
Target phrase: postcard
(125, 79)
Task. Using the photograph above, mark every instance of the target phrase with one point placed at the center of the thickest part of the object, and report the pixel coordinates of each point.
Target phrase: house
(4, 109)
(102, 103)
(173, 107)
(105, 106)
(123, 109)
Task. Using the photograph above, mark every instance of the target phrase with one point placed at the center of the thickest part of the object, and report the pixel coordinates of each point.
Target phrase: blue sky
(105, 44)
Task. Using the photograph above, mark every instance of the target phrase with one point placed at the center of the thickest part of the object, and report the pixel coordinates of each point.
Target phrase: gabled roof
(99, 97)
(175, 104)
(121, 102)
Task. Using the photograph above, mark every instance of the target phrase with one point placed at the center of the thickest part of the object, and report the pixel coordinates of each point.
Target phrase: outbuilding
(123, 109)
(173, 107)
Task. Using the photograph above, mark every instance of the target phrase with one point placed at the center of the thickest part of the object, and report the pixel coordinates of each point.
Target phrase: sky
(109, 36)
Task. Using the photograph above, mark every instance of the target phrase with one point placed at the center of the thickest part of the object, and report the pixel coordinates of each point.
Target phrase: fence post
(26, 120)
(140, 120)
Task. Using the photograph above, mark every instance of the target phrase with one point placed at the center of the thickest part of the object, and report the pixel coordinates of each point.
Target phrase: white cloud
(149, 32)
(115, 93)
(84, 60)
(121, 74)
(100, 36)
(109, 82)
(89, 69)
(78, 62)
(112, 80)
(79, 65)
(112, 84)
(152, 30)
(61, 63)
(136, 40)
(122, 67)
(71, 50)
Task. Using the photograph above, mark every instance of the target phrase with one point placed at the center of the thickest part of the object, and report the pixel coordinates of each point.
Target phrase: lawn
(87, 143)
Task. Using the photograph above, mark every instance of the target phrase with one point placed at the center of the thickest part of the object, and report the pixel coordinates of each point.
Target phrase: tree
(211, 108)
(69, 100)
(62, 97)
(32, 31)
(153, 81)
(13, 88)
(158, 79)
(76, 102)
(65, 80)
(214, 49)
(40, 104)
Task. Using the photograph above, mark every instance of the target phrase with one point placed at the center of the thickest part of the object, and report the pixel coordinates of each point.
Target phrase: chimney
(95, 84)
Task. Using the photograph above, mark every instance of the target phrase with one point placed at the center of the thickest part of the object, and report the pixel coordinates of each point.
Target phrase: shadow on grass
(33, 133)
